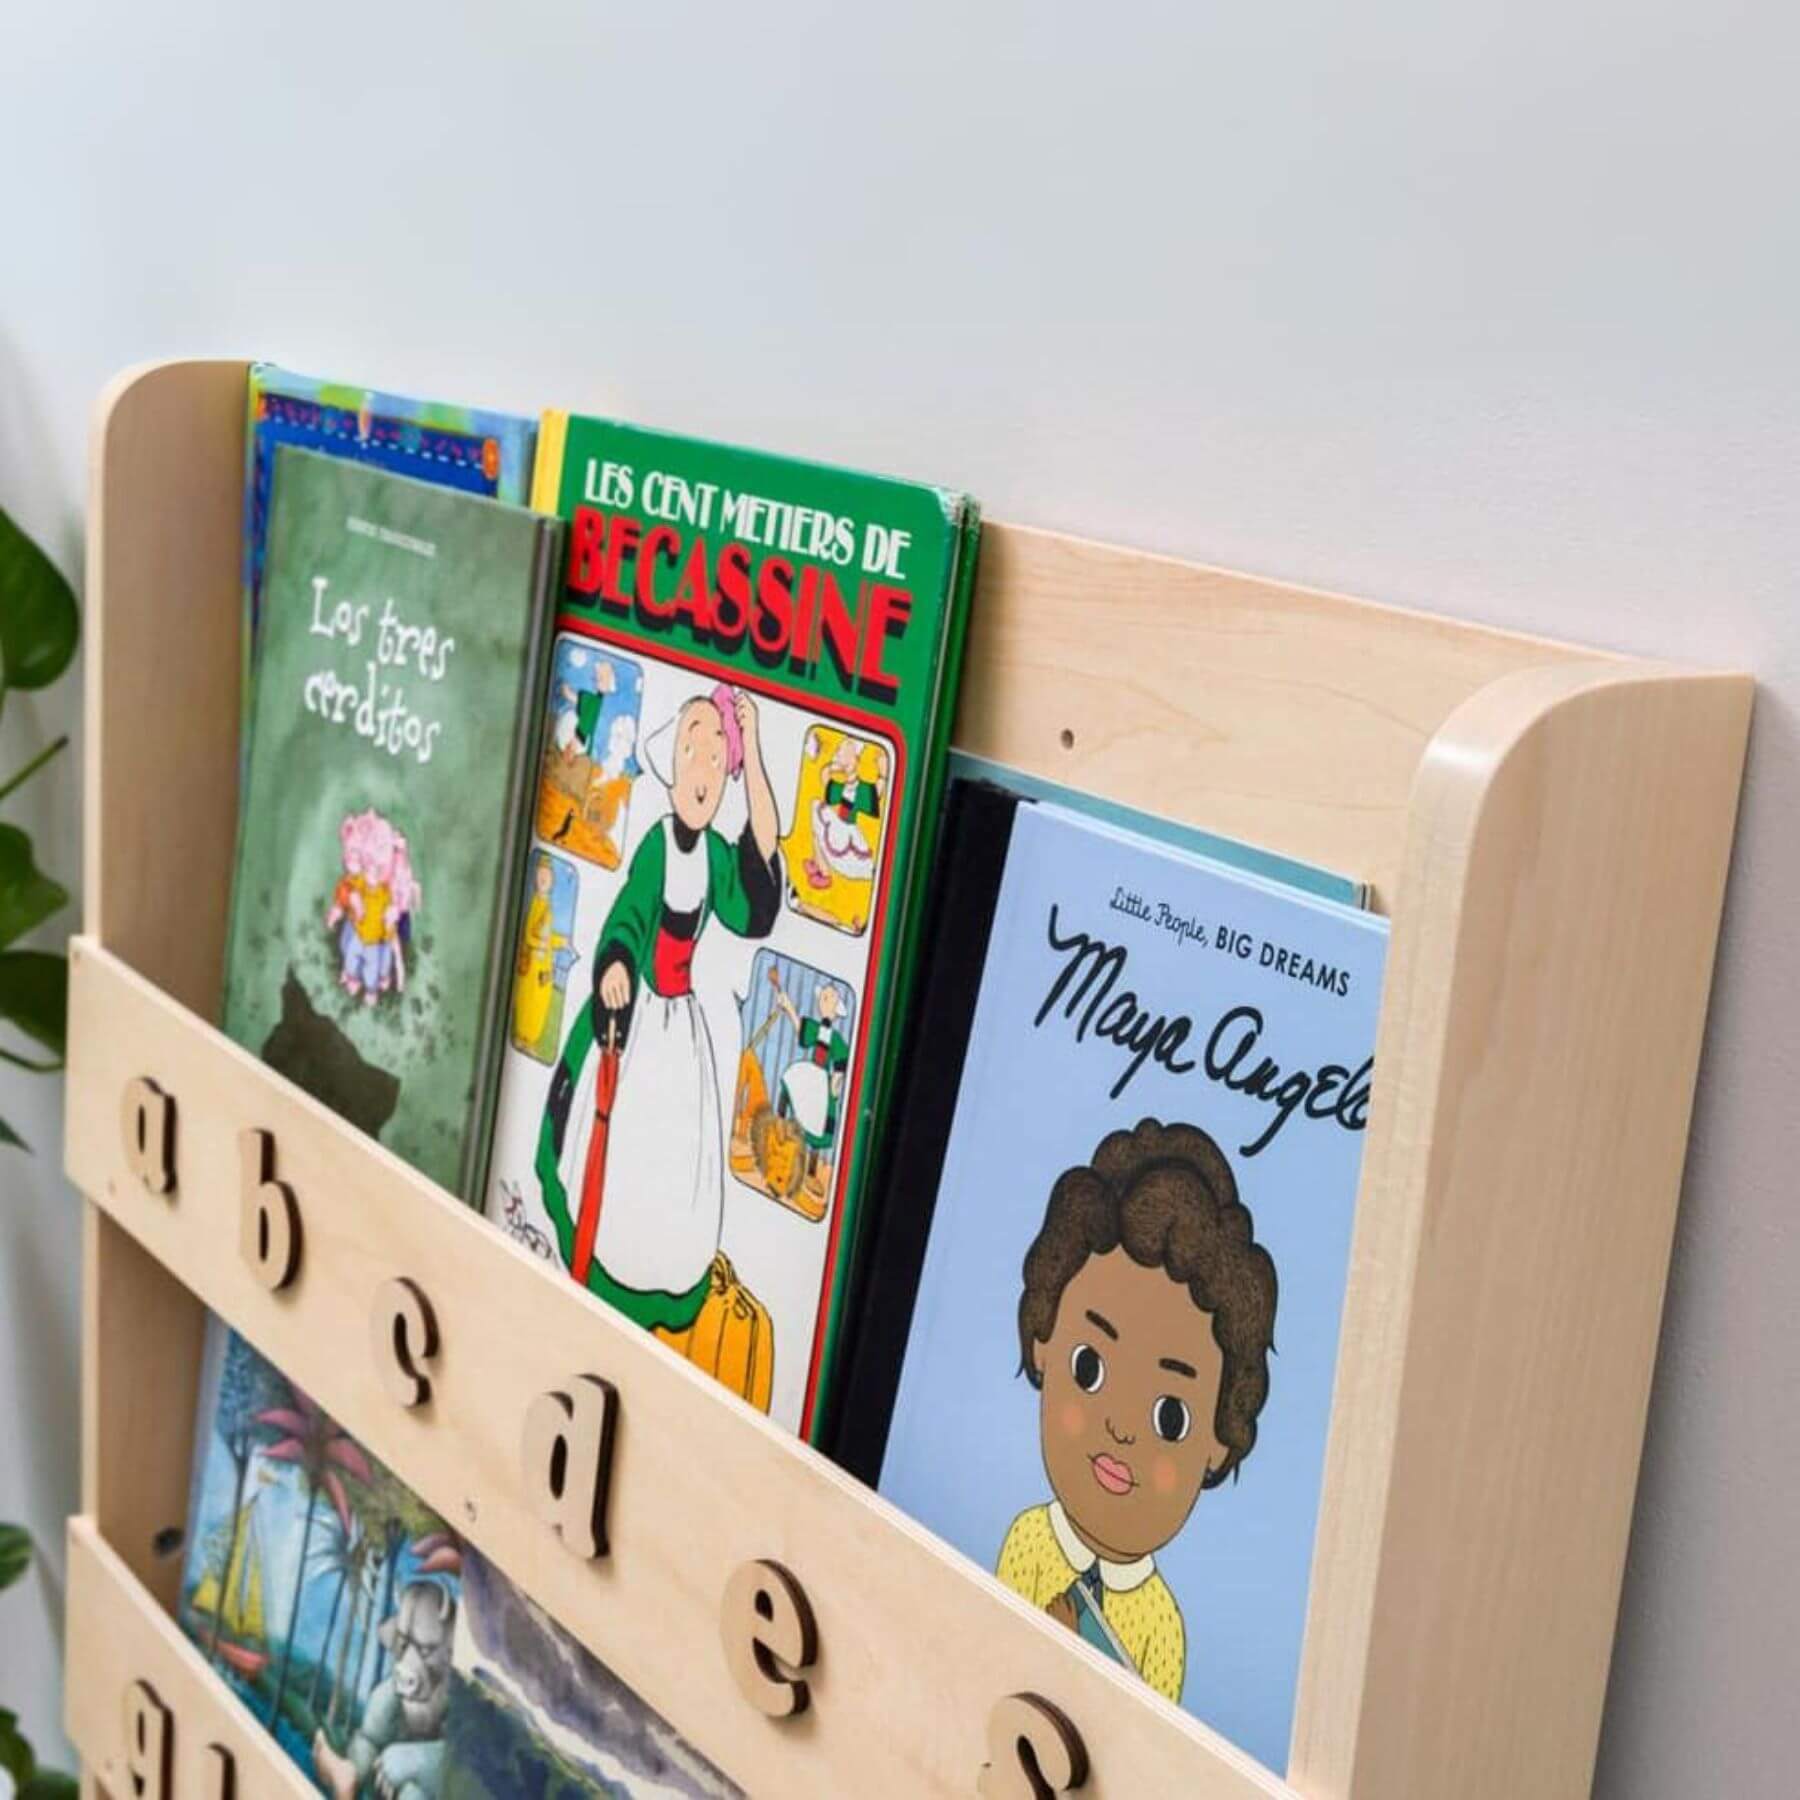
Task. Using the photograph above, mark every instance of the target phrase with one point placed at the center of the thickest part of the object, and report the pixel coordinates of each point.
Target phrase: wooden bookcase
(1549, 828)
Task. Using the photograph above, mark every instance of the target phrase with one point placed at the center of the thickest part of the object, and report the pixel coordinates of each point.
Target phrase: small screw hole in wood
(1068, 738)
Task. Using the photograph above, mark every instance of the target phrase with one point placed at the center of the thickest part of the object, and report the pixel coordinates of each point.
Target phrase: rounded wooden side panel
(164, 669)
(1553, 944)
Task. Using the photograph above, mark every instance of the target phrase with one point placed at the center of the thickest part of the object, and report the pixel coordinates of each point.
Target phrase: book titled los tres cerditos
(399, 663)
(1117, 1375)
(743, 737)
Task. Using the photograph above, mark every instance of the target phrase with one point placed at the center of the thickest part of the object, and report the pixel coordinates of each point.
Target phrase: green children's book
(744, 731)
(393, 728)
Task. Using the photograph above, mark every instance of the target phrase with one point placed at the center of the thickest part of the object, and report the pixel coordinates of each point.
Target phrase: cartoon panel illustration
(791, 1078)
(590, 751)
(546, 955)
(834, 845)
(628, 1164)
(620, 1119)
(322, 1590)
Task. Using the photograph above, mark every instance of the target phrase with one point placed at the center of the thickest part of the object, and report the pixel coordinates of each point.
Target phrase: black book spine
(965, 888)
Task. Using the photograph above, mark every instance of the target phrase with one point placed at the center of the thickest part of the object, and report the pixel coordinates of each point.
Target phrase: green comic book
(398, 672)
(744, 730)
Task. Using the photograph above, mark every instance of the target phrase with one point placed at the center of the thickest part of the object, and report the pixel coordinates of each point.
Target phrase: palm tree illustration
(398, 1515)
(313, 1443)
(341, 1554)
(246, 1382)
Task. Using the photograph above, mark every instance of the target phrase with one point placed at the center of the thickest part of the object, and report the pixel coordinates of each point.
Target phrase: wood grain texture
(1290, 718)
(915, 1643)
(165, 512)
(1540, 1033)
(141, 1337)
(1549, 828)
(117, 1634)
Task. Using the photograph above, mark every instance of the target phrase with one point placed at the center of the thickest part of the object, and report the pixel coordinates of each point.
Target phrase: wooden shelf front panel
(916, 1645)
(117, 1636)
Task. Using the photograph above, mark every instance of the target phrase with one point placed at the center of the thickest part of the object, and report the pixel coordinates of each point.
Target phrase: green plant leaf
(47, 1784)
(10, 1137)
(39, 621)
(15, 1553)
(17, 1757)
(34, 995)
(27, 896)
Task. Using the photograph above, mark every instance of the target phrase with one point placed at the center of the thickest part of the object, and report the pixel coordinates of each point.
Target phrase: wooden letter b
(269, 1219)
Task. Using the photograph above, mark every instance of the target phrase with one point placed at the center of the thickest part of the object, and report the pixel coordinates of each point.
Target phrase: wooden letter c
(403, 1333)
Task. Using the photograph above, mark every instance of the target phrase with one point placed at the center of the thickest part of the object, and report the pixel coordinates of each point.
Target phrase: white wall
(1486, 309)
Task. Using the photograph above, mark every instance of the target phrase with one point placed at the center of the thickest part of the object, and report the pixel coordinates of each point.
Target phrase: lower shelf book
(384, 1654)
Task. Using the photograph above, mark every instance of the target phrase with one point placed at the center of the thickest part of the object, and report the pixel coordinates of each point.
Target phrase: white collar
(1117, 1578)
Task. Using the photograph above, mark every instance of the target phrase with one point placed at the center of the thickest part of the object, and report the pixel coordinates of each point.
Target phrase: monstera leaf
(27, 896)
(39, 623)
(15, 1553)
(39, 627)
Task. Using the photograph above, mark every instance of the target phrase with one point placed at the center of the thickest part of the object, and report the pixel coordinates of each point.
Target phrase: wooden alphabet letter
(770, 1636)
(403, 1331)
(149, 1742)
(1034, 1751)
(218, 1774)
(269, 1233)
(568, 1460)
(147, 1121)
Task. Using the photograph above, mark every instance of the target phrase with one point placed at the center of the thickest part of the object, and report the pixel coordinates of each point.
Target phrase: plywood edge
(1554, 935)
(1035, 543)
(165, 469)
(917, 1644)
(117, 1635)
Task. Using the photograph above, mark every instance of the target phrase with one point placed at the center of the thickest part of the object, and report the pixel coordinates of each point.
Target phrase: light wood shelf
(119, 1635)
(1549, 829)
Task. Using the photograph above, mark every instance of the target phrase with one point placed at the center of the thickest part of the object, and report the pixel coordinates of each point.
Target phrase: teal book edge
(1287, 871)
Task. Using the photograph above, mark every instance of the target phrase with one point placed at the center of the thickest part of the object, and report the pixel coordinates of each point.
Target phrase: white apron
(839, 844)
(664, 1197)
(808, 1090)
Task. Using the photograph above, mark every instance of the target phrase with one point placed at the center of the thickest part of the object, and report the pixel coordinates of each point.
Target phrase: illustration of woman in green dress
(630, 1154)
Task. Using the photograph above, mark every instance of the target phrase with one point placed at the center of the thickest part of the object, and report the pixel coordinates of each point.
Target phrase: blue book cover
(463, 447)
(1117, 1381)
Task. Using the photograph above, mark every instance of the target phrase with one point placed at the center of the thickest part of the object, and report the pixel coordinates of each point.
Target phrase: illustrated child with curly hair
(1146, 1322)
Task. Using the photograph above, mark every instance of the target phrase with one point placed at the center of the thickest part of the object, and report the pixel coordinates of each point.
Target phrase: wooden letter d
(567, 1457)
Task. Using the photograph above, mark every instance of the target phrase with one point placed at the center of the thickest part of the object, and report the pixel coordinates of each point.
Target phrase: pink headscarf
(724, 697)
